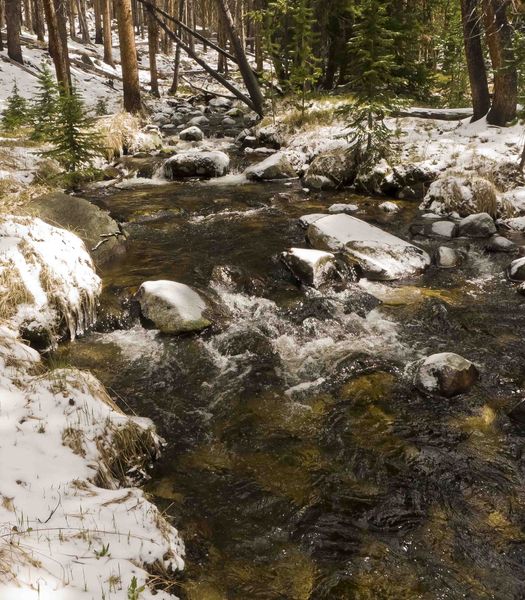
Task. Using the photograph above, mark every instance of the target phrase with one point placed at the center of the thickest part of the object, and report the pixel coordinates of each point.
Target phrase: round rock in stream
(516, 270)
(445, 374)
(197, 164)
(192, 134)
(480, 225)
(312, 267)
(172, 307)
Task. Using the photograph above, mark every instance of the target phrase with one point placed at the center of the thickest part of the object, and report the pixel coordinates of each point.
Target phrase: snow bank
(68, 529)
(47, 279)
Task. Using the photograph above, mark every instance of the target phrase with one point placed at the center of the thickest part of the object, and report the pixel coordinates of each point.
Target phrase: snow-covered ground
(72, 526)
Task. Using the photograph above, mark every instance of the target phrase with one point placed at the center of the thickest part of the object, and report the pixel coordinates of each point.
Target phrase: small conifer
(16, 113)
(45, 105)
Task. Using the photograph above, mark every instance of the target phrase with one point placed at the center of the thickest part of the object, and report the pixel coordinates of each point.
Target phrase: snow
(343, 208)
(58, 430)
(309, 256)
(56, 271)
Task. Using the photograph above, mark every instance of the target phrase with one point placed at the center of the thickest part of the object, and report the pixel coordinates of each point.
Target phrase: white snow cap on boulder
(173, 307)
(197, 164)
(191, 134)
(445, 374)
(313, 267)
(380, 255)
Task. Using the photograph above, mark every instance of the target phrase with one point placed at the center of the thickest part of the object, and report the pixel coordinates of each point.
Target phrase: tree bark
(250, 81)
(499, 40)
(128, 53)
(56, 48)
(13, 9)
(479, 87)
(38, 20)
(153, 42)
(97, 9)
(107, 34)
(176, 66)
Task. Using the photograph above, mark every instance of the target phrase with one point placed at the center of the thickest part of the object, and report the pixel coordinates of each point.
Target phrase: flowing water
(300, 462)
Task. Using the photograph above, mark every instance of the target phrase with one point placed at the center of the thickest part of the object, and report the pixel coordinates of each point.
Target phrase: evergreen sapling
(45, 105)
(75, 144)
(16, 113)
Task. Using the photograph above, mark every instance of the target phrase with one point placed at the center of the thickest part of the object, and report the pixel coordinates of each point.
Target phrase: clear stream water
(300, 462)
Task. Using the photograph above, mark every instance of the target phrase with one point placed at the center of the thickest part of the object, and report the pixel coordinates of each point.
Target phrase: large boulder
(276, 166)
(197, 164)
(312, 267)
(498, 243)
(100, 233)
(172, 307)
(191, 134)
(379, 254)
(447, 258)
(377, 179)
(332, 169)
(516, 270)
(445, 374)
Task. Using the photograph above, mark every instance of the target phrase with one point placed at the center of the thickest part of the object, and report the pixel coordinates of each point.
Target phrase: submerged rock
(498, 243)
(191, 134)
(313, 267)
(480, 225)
(172, 307)
(276, 166)
(445, 374)
(379, 254)
(447, 258)
(197, 164)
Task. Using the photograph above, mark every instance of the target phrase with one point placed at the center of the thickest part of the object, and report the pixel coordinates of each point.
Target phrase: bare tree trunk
(176, 67)
(28, 16)
(56, 48)
(13, 19)
(83, 21)
(153, 42)
(38, 20)
(106, 27)
(250, 81)
(479, 87)
(2, 20)
(128, 53)
(97, 9)
(499, 40)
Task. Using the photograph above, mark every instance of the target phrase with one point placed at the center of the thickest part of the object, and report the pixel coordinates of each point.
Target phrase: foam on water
(135, 343)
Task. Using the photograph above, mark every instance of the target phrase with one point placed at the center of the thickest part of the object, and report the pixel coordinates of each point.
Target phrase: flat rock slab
(380, 255)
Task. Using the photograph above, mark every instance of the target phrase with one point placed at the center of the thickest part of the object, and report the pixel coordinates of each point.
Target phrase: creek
(300, 461)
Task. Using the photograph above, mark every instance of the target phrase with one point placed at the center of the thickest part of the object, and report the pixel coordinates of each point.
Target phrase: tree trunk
(106, 28)
(176, 66)
(153, 42)
(97, 9)
(56, 49)
(2, 14)
(128, 53)
(250, 81)
(13, 20)
(479, 87)
(499, 39)
(38, 20)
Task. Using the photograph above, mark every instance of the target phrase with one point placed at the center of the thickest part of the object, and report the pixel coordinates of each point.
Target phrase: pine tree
(75, 144)
(16, 112)
(373, 81)
(45, 105)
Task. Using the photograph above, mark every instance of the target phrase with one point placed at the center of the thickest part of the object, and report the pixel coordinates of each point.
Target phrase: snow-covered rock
(197, 164)
(477, 226)
(220, 103)
(389, 207)
(313, 267)
(379, 254)
(48, 284)
(198, 121)
(307, 220)
(378, 179)
(464, 195)
(434, 228)
(332, 169)
(86, 219)
(191, 134)
(343, 208)
(445, 374)
(276, 166)
(516, 270)
(173, 307)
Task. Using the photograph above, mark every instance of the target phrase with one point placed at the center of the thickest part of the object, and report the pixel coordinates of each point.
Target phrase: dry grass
(118, 133)
(13, 291)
